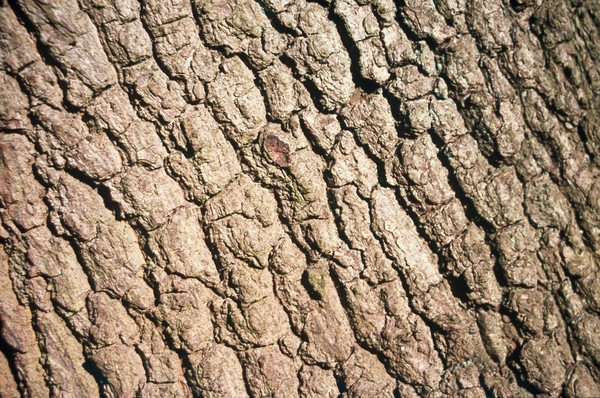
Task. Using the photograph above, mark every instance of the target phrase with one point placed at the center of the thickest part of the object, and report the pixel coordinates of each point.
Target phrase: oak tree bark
(285, 198)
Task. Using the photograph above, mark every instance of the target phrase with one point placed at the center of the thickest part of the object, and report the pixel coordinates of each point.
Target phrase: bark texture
(351, 198)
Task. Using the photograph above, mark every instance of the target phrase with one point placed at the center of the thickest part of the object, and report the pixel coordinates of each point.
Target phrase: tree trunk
(339, 198)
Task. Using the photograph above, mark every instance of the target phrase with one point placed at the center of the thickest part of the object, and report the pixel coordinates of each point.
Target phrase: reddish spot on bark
(355, 98)
(278, 150)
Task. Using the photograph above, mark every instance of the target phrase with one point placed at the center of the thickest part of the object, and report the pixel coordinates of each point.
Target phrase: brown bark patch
(277, 150)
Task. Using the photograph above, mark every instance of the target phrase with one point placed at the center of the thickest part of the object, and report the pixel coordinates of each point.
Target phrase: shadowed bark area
(292, 198)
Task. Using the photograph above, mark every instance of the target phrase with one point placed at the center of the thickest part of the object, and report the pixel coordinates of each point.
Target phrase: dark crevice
(79, 253)
(486, 141)
(513, 363)
(45, 53)
(518, 5)
(467, 202)
(583, 137)
(367, 85)
(459, 288)
(401, 195)
(347, 305)
(312, 140)
(247, 170)
(333, 206)
(338, 283)
(412, 36)
(399, 117)
(273, 18)
(308, 84)
(110, 204)
(186, 365)
(436, 330)
(245, 374)
(153, 282)
(185, 148)
(340, 381)
(90, 366)
(571, 190)
(75, 246)
(470, 209)
(157, 57)
(10, 354)
(487, 390)
(572, 337)
(323, 3)
(474, 120)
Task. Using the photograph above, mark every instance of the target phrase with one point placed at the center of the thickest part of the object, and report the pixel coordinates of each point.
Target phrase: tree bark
(338, 198)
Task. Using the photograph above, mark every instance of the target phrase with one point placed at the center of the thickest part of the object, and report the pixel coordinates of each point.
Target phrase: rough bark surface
(350, 198)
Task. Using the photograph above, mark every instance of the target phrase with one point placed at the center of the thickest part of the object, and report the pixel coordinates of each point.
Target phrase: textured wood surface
(345, 198)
